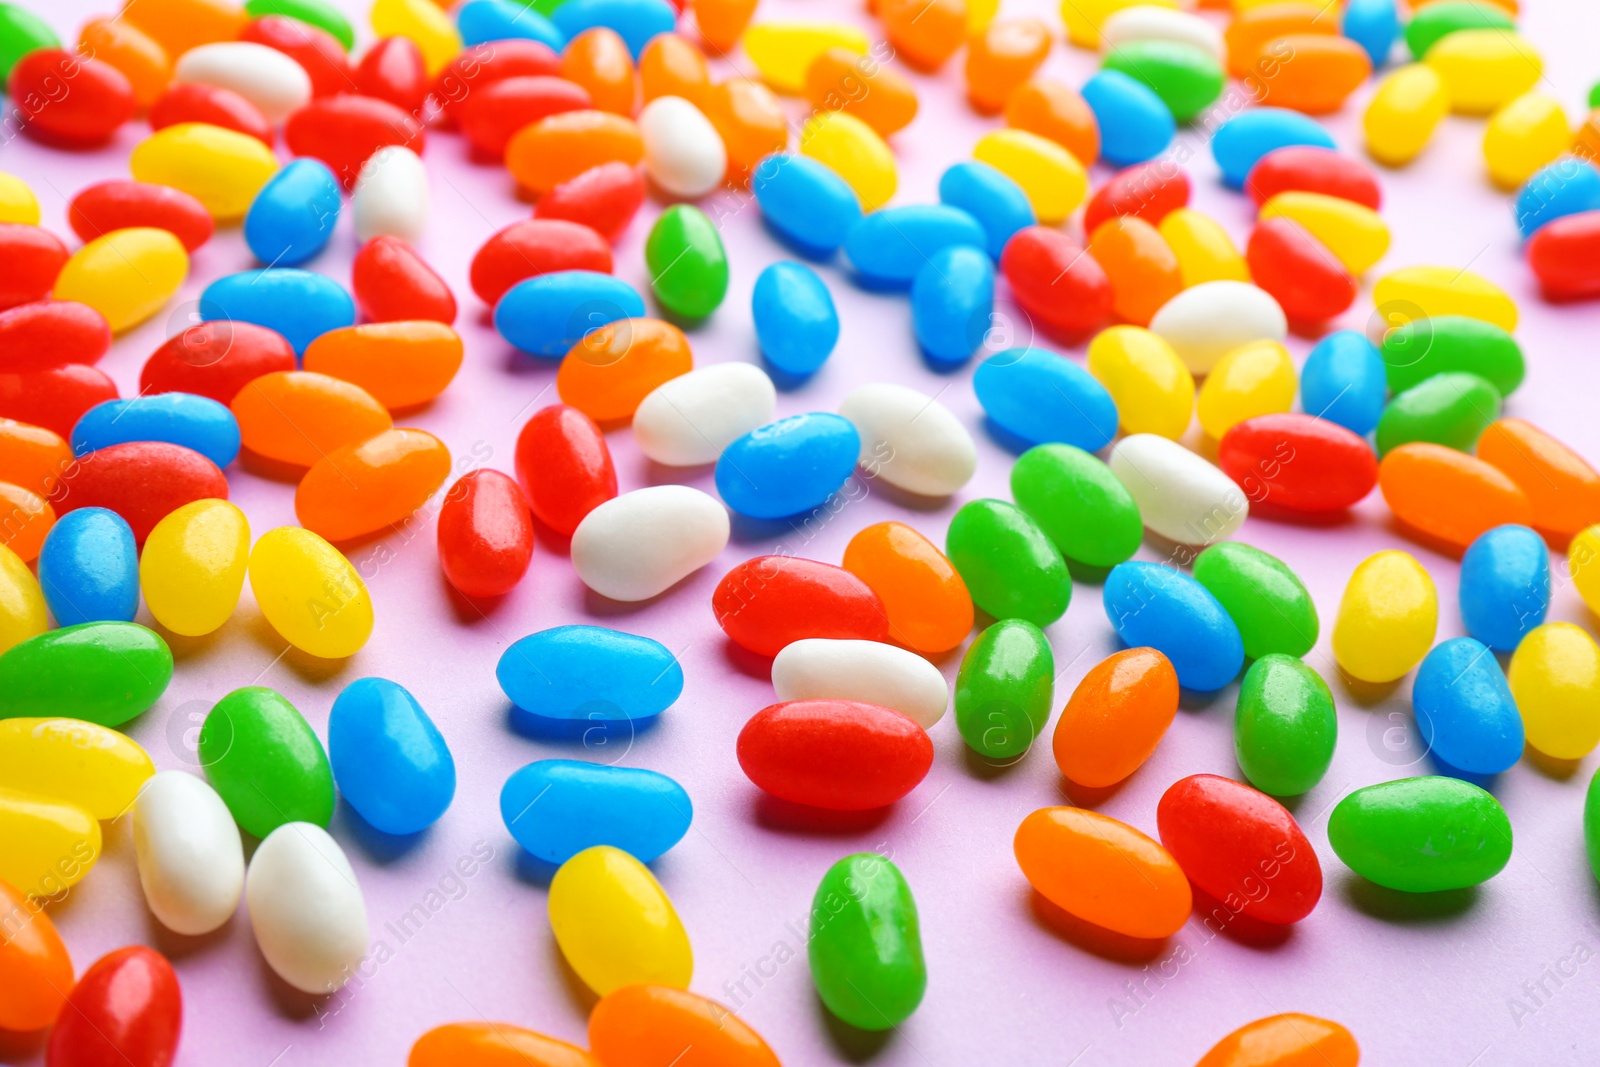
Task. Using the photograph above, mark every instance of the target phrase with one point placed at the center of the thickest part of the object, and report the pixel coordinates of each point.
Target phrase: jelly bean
(547, 315)
(688, 265)
(1525, 134)
(35, 970)
(683, 153)
(1081, 506)
(1387, 618)
(795, 320)
(1563, 489)
(925, 37)
(989, 197)
(49, 333)
(910, 440)
(390, 283)
(493, 1042)
(479, 66)
(952, 304)
(1355, 234)
(644, 542)
(1052, 178)
(651, 1023)
(1561, 257)
(1344, 381)
(99, 98)
(1252, 380)
(391, 196)
(196, 422)
(1284, 728)
(841, 755)
(1003, 689)
(604, 198)
(319, 52)
(32, 457)
(1448, 496)
(191, 859)
(1054, 110)
(388, 758)
(344, 131)
(193, 566)
(126, 1008)
(491, 116)
(300, 305)
(1187, 79)
(1483, 69)
(180, 25)
(854, 151)
(1010, 565)
(1180, 496)
(1298, 464)
(1116, 717)
(722, 22)
(751, 123)
(89, 568)
(808, 205)
(399, 364)
(615, 924)
(318, 13)
(32, 258)
(671, 65)
(1554, 676)
(1401, 117)
(1203, 248)
(1245, 139)
(1000, 58)
(1149, 191)
(1152, 390)
(689, 419)
(1569, 186)
(1374, 25)
(768, 602)
(310, 593)
(783, 51)
(392, 70)
(866, 956)
(1417, 350)
(888, 248)
(481, 21)
(269, 79)
(1312, 169)
(1464, 708)
(22, 32)
(1253, 29)
(637, 22)
(1305, 278)
(1054, 282)
(1264, 598)
(535, 246)
(118, 205)
(425, 23)
(50, 846)
(843, 80)
(1323, 73)
(1141, 266)
(589, 672)
(788, 467)
(923, 595)
(101, 672)
(1041, 397)
(598, 60)
(564, 466)
(1291, 1037)
(1085, 21)
(29, 518)
(361, 488)
(1449, 409)
(17, 202)
(142, 481)
(306, 908)
(54, 398)
(1421, 835)
(265, 762)
(867, 672)
(1150, 604)
(1436, 21)
(1103, 871)
(78, 763)
(485, 534)
(562, 146)
(216, 359)
(557, 808)
(297, 417)
(22, 608)
(126, 275)
(211, 105)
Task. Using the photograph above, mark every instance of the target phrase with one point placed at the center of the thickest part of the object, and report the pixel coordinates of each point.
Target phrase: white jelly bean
(191, 861)
(690, 419)
(266, 77)
(1207, 321)
(1181, 496)
(683, 153)
(645, 542)
(910, 440)
(306, 909)
(391, 195)
(818, 668)
(1150, 22)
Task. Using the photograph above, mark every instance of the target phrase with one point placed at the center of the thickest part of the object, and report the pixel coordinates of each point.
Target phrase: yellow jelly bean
(1404, 112)
(1555, 678)
(193, 566)
(223, 169)
(425, 23)
(615, 925)
(783, 51)
(979, 14)
(1085, 17)
(310, 593)
(45, 846)
(854, 151)
(1483, 69)
(22, 609)
(75, 762)
(1523, 136)
(1253, 379)
(1053, 179)
(126, 275)
(17, 202)
(1205, 251)
(1153, 390)
(1583, 563)
(1353, 232)
(1435, 291)
(1387, 618)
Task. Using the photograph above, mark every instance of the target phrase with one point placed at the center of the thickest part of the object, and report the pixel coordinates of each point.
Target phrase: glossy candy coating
(1344, 380)
(35, 970)
(306, 908)
(54, 398)
(196, 422)
(125, 1009)
(604, 198)
(1079, 503)
(491, 116)
(1319, 74)
(1180, 495)
(1065, 291)
(76, 762)
(274, 82)
(870, 672)
(1003, 689)
(910, 440)
(485, 534)
(589, 672)
(494, 1044)
(1554, 676)
(1561, 256)
(1421, 835)
(1116, 717)
(564, 466)
(1054, 109)
(1205, 251)
(1569, 186)
(100, 672)
(1252, 380)
(1483, 69)
(212, 105)
(481, 21)
(360, 488)
(1440, 291)
(89, 568)
(796, 323)
(683, 152)
(767, 602)
(752, 125)
(1009, 564)
(1152, 389)
(1401, 117)
(1299, 464)
(688, 265)
(688, 420)
(1134, 123)
(310, 593)
(992, 198)
(548, 314)
(100, 98)
(1313, 169)
(1141, 266)
(1103, 871)
(1150, 604)
(399, 364)
(193, 566)
(29, 519)
(344, 131)
(654, 1023)
(1465, 710)
(1523, 136)
(562, 146)
(221, 168)
(1307, 280)
(1265, 599)
(1562, 487)
(33, 457)
(299, 304)
(265, 762)
(556, 808)
(1417, 350)
(1051, 177)
(22, 608)
(1186, 78)
(299, 417)
(952, 304)
(126, 275)
(924, 597)
(1290, 1039)
(1387, 617)
(598, 60)
(809, 206)
(1041, 397)
(855, 152)
(866, 956)
(535, 246)
(48, 333)
(888, 247)
(615, 924)
(1254, 28)
(50, 846)
(293, 216)
(215, 359)
(1354, 233)
(841, 755)
(1284, 727)
(1505, 586)
(789, 466)
(1447, 495)
(1246, 138)
(1449, 409)
(388, 758)
(1001, 57)
(118, 205)
(32, 257)
(644, 542)
(139, 57)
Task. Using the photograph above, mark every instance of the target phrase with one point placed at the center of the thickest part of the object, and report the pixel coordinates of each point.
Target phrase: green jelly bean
(265, 761)
(1185, 78)
(1594, 96)
(866, 943)
(1285, 727)
(100, 672)
(1450, 409)
(1081, 506)
(318, 13)
(21, 32)
(1266, 600)
(1591, 823)
(688, 265)
(1417, 350)
(1011, 568)
(1437, 21)
(1004, 688)
(1420, 835)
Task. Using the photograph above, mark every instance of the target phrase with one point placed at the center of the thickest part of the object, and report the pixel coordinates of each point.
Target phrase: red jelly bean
(532, 247)
(768, 602)
(213, 104)
(392, 70)
(1299, 271)
(343, 131)
(1061, 286)
(485, 534)
(604, 198)
(143, 481)
(56, 397)
(1565, 256)
(216, 359)
(1313, 169)
(1150, 191)
(30, 259)
(67, 100)
(1298, 463)
(490, 62)
(564, 466)
(48, 333)
(126, 1011)
(492, 115)
(838, 754)
(1241, 846)
(313, 47)
(120, 204)
(392, 283)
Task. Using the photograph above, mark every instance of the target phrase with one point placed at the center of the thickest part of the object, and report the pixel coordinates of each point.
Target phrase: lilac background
(1417, 980)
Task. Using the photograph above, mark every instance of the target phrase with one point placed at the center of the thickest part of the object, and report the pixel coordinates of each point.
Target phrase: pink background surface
(1418, 980)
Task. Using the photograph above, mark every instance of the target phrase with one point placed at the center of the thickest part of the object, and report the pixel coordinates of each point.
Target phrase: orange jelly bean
(300, 416)
(32, 457)
(1142, 267)
(612, 369)
(880, 96)
(750, 121)
(139, 57)
(929, 608)
(1288, 1040)
(1103, 871)
(1251, 30)
(1322, 73)
(1116, 717)
(483, 1044)
(1053, 109)
(35, 970)
(1448, 495)
(401, 364)
(27, 518)
(179, 25)
(651, 1024)
(722, 22)
(672, 66)
(1562, 487)
(924, 33)
(361, 488)
(563, 146)
(598, 59)
(1002, 58)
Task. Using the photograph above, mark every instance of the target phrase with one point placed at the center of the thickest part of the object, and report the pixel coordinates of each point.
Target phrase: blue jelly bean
(991, 197)
(1464, 708)
(1566, 187)
(1374, 25)
(1135, 124)
(196, 422)
(556, 808)
(804, 203)
(89, 568)
(635, 21)
(292, 217)
(1240, 142)
(887, 248)
(389, 760)
(1156, 605)
(1343, 381)
(1505, 586)
(481, 21)
(952, 304)
(299, 304)
(546, 315)
(789, 466)
(590, 673)
(1044, 398)
(796, 323)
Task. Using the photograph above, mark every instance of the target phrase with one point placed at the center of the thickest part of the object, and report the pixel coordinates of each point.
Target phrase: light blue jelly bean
(481, 21)
(546, 315)
(1155, 605)
(991, 197)
(804, 203)
(196, 422)
(389, 760)
(1044, 398)
(789, 466)
(292, 217)
(1240, 142)
(1505, 586)
(636, 21)
(299, 304)
(796, 322)
(952, 304)
(1343, 381)
(1464, 708)
(1135, 124)
(590, 673)
(89, 568)
(1566, 187)
(556, 808)
(887, 248)
(1374, 25)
